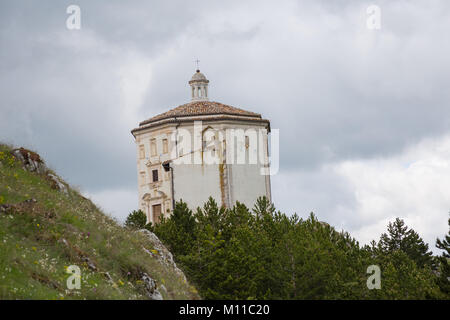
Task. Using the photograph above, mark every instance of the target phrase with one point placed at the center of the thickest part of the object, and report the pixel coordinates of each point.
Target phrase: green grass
(34, 258)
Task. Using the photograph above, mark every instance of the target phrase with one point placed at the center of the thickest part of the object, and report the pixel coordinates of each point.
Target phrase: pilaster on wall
(225, 179)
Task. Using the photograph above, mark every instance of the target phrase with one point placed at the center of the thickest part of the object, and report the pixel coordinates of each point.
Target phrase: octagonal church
(201, 149)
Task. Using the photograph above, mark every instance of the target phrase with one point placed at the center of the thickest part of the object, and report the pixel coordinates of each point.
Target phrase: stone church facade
(201, 149)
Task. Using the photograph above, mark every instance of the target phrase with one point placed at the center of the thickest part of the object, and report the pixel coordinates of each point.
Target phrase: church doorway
(156, 209)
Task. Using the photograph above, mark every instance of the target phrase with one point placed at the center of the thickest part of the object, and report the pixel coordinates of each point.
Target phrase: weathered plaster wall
(194, 183)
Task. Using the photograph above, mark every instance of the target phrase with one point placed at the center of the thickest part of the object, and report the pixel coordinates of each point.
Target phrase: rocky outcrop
(32, 162)
(151, 288)
(54, 232)
(57, 184)
(161, 253)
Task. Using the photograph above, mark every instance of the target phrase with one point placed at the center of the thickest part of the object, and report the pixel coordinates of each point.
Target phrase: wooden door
(156, 213)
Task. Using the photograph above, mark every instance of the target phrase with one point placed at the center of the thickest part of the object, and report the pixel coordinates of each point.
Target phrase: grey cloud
(335, 90)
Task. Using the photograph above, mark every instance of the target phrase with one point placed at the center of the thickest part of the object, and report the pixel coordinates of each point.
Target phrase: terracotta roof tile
(198, 108)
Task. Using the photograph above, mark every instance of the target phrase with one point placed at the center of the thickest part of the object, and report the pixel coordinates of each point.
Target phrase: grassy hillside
(44, 230)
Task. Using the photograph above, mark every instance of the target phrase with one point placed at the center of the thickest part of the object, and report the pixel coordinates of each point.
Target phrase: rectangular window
(153, 147)
(155, 175)
(165, 146)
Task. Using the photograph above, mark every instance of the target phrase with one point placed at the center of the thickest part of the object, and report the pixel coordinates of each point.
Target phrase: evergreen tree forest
(262, 253)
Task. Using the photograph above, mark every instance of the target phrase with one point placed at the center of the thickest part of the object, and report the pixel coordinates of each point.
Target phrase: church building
(201, 149)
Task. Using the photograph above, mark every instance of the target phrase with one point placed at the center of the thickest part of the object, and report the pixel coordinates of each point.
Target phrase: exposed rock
(89, 263)
(108, 276)
(162, 254)
(57, 184)
(31, 160)
(151, 288)
(24, 206)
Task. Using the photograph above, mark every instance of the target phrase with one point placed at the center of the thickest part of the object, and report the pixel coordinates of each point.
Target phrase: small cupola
(199, 87)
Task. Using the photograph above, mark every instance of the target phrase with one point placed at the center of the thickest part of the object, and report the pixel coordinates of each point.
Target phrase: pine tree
(234, 254)
(211, 215)
(444, 263)
(179, 231)
(136, 220)
(401, 238)
(263, 207)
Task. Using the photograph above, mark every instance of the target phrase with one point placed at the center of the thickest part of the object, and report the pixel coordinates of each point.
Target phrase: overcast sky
(363, 114)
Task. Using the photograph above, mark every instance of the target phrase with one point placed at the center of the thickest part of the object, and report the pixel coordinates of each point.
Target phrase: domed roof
(201, 110)
(198, 76)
